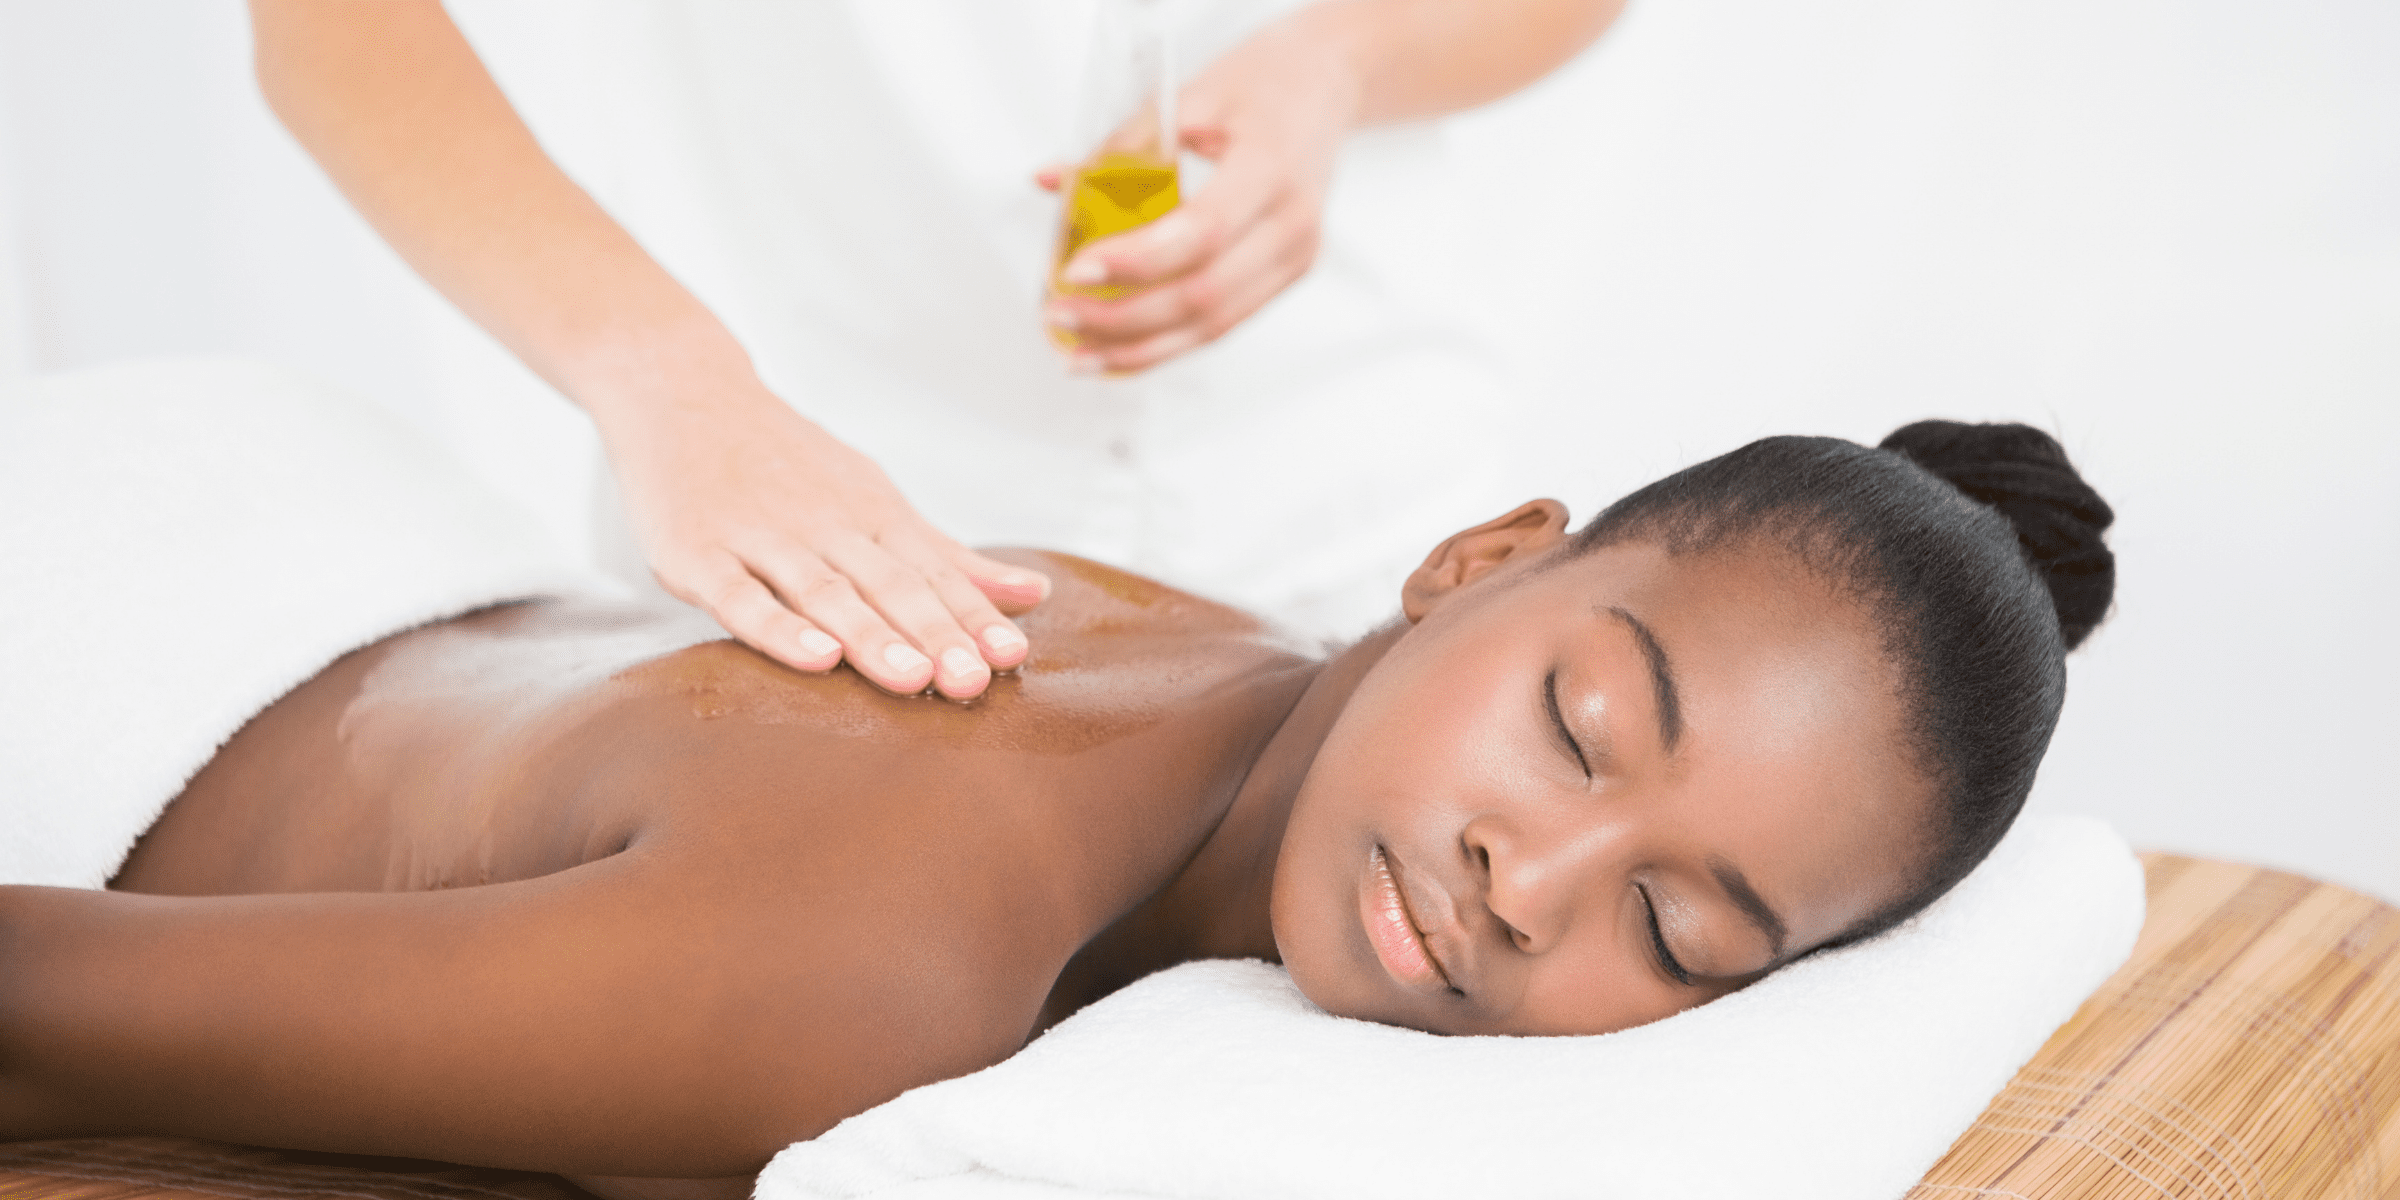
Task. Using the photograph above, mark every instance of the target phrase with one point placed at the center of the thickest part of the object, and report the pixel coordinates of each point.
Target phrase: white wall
(2168, 230)
(152, 206)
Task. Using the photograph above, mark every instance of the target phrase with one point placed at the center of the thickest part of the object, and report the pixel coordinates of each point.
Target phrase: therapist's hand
(1271, 115)
(802, 548)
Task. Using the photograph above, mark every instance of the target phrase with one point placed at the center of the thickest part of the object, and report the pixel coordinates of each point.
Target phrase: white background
(2167, 230)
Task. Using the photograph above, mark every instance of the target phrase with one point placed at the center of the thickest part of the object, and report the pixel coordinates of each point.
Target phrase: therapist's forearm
(393, 103)
(1413, 59)
(795, 543)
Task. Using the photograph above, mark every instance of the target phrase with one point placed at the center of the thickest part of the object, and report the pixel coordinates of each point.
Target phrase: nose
(1535, 876)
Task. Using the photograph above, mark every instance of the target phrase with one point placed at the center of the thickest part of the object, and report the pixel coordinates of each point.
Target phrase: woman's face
(1581, 794)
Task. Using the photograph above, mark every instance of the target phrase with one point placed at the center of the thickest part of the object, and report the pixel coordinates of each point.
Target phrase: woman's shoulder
(1094, 599)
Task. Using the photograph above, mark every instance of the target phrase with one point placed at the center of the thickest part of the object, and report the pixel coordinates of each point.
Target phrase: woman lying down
(558, 886)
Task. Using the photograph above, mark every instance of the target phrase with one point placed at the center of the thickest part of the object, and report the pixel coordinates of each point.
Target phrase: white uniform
(849, 186)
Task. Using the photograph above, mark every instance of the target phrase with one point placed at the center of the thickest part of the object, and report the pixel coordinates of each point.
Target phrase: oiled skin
(557, 889)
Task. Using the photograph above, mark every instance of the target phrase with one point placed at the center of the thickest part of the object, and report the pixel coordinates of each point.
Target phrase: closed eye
(1658, 941)
(1558, 722)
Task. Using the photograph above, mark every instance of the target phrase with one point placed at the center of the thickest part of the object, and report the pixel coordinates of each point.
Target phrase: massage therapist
(864, 173)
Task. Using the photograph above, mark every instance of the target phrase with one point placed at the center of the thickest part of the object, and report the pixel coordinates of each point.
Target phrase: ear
(1469, 555)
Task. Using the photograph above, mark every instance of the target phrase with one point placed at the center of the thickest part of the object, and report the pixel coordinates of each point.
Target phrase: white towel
(1842, 1076)
(180, 544)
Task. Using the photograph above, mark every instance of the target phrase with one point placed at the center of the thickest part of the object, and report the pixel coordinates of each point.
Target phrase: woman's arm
(1272, 113)
(630, 1017)
(1424, 58)
(745, 508)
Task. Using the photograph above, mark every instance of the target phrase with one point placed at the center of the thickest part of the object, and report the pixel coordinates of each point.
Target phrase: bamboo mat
(2250, 1050)
(181, 1169)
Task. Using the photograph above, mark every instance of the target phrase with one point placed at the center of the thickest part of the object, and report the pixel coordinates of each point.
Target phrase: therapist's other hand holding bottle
(1271, 114)
(795, 543)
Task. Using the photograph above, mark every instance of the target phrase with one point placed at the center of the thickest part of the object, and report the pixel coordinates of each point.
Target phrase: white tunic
(850, 186)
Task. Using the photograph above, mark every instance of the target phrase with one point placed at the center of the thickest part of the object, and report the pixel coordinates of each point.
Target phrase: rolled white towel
(180, 544)
(1842, 1076)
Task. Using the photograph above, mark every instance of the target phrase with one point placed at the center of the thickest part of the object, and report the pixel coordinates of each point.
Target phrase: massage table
(2249, 1049)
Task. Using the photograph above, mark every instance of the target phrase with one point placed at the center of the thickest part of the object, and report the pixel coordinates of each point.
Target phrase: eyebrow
(1754, 906)
(1662, 680)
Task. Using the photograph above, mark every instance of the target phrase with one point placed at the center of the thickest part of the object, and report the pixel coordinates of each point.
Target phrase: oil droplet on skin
(709, 702)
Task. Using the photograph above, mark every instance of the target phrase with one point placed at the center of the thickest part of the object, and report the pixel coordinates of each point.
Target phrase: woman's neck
(1217, 906)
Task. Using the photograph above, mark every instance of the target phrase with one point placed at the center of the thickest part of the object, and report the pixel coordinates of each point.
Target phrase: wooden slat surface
(2249, 1050)
(181, 1169)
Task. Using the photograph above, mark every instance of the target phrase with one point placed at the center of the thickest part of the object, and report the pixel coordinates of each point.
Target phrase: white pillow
(1844, 1075)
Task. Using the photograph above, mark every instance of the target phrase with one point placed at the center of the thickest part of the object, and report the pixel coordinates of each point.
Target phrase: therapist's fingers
(1011, 589)
(748, 610)
(1251, 187)
(1242, 295)
(997, 641)
(1207, 303)
(754, 513)
(1150, 327)
(1199, 271)
(826, 594)
(910, 597)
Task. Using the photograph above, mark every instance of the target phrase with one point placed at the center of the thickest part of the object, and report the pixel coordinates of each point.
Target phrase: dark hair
(1977, 548)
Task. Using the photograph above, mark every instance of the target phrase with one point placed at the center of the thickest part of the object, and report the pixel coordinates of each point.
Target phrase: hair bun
(2025, 474)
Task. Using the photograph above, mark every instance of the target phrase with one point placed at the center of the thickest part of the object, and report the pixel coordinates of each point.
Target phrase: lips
(1393, 930)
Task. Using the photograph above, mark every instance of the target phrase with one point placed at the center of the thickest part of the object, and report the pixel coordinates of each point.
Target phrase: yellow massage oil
(1128, 115)
(1107, 196)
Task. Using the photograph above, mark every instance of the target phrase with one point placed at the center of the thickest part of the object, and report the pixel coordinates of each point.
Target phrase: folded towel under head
(1845, 1075)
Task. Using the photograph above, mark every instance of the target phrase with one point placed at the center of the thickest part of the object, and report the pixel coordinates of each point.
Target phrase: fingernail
(1169, 232)
(1060, 318)
(904, 659)
(1003, 639)
(817, 644)
(960, 664)
(1039, 584)
(1085, 270)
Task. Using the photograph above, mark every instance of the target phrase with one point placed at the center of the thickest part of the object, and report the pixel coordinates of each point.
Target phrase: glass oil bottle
(1128, 116)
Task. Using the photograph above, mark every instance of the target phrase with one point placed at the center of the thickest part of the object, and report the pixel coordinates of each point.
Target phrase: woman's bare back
(676, 888)
(528, 739)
